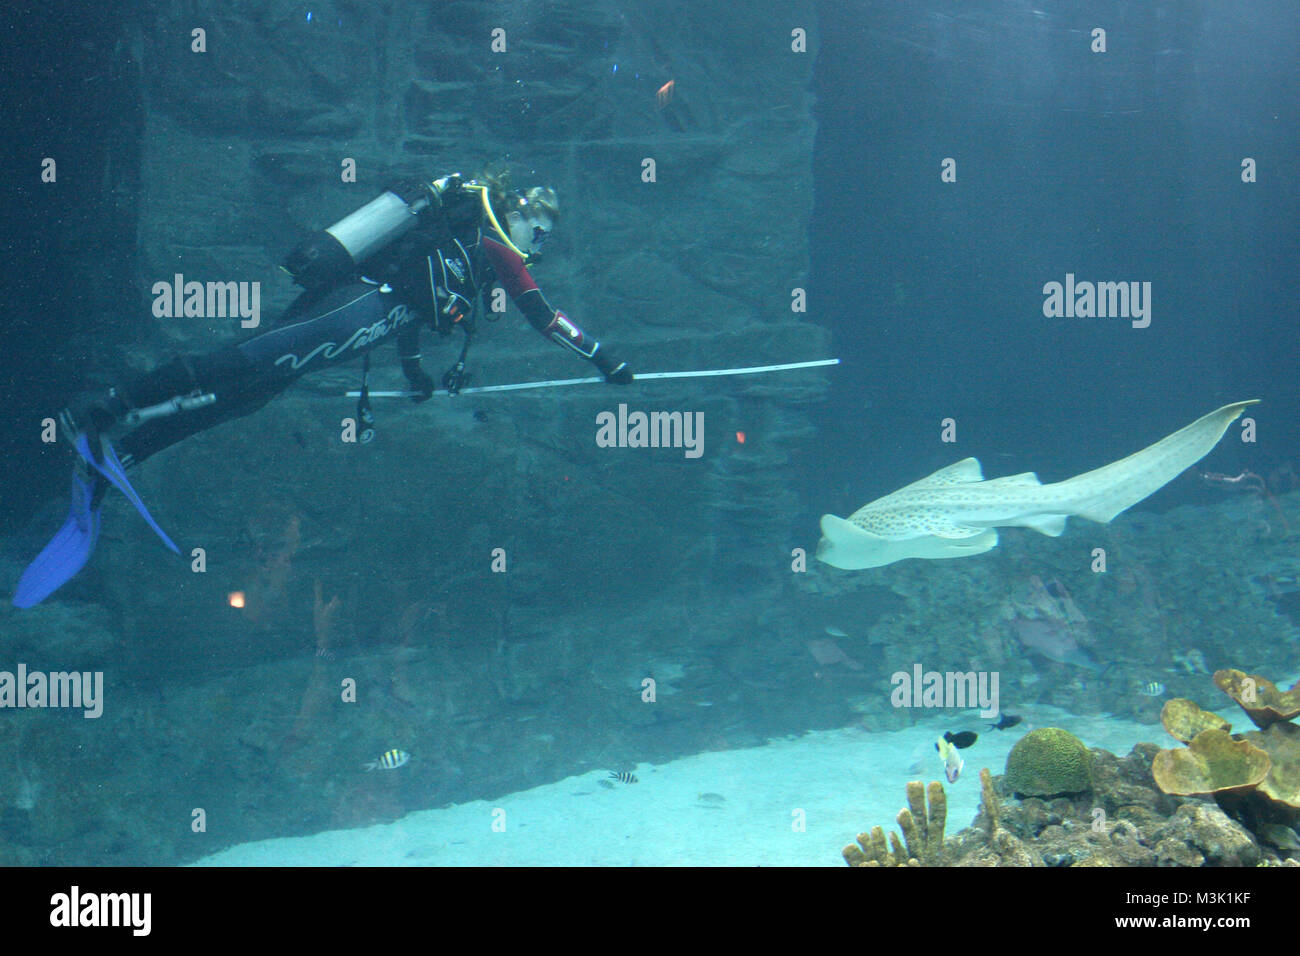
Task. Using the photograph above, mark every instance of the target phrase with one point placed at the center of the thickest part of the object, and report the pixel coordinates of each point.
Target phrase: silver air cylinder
(336, 252)
(376, 224)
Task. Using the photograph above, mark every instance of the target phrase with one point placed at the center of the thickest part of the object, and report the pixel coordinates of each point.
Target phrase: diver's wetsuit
(341, 324)
(432, 276)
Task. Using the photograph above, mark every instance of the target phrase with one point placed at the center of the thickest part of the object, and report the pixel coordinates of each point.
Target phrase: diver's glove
(615, 372)
(421, 382)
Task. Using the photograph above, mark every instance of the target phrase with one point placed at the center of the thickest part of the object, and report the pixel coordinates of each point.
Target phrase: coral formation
(1282, 744)
(1259, 697)
(1047, 762)
(1212, 763)
(1253, 776)
(1184, 719)
(1124, 820)
(1261, 767)
(1223, 800)
(922, 830)
(988, 800)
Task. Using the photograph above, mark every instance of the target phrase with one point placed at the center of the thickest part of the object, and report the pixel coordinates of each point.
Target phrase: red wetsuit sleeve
(519, 285)
(555, 325)
(509, 268)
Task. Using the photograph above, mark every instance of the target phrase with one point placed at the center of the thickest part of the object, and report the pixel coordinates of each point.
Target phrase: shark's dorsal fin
(958, 473)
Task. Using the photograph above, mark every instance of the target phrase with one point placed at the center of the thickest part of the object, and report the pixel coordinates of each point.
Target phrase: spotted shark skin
(955, 512)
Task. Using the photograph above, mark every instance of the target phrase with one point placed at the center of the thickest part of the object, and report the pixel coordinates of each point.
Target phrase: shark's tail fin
(1101, 494)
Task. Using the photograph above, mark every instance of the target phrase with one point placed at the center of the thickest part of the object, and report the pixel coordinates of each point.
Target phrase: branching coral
(922, 828)
(922, 822)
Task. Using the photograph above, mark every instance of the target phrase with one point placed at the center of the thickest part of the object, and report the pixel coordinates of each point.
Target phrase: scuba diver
(422, 253)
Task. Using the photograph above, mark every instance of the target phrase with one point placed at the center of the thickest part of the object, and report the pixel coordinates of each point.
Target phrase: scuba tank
(338, 251)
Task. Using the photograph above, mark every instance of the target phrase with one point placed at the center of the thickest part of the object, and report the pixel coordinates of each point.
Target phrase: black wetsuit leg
(316, 331)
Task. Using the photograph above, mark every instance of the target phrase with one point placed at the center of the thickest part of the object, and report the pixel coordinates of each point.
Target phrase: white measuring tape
(639, 377)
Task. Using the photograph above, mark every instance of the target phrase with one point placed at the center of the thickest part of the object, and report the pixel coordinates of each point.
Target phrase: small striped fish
(622, 776)
(390, 761)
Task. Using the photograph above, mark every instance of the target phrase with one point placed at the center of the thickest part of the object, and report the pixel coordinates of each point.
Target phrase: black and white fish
(951, 757)
(390, 761)
(623, 776)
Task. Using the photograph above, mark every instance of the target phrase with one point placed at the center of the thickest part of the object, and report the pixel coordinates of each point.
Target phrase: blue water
(526, 612)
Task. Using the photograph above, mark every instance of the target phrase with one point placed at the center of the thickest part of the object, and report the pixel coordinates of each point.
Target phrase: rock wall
(374, 562)
(242, 158)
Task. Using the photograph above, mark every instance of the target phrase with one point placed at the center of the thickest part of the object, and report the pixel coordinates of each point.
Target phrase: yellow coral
(989, 800)
(1184, 719)
(1281, 742)
(922, 828)
(1259, 697)
(1212, 763)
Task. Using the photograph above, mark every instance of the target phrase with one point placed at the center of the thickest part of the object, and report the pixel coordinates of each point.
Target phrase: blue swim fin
(68, 551)
(111, 468)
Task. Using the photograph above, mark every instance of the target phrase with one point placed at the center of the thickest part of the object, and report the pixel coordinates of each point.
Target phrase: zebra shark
(955, 512)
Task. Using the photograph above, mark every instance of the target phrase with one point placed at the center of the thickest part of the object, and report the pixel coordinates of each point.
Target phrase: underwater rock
(1011, 851)
(1174, 852)
(1130, 844)
(1125, 788)
(1047, 762)
(1035, 816)
(1224, 841)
